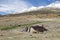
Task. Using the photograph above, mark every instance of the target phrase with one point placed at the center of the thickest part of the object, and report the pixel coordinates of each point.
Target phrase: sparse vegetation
(11, 24)
(53, 32)
(16, 26)
(9, 27)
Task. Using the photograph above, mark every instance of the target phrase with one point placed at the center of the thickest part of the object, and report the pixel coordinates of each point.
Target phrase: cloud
(55, 4)
(17, 6)
(33, 8)
(14, 6)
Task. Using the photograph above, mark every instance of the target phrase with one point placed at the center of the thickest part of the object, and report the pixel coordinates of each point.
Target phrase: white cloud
(15, 6)
(55, 4)
(33, 8)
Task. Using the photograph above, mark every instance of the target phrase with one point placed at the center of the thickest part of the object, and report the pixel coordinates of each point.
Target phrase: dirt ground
(53, 33)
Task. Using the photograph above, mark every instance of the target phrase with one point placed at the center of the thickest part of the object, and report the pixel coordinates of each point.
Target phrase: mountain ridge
(41, 11)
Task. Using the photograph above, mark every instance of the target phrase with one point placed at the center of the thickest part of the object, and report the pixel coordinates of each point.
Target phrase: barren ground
(11, 31)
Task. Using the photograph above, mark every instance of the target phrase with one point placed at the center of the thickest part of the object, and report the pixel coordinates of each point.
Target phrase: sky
(18, 6)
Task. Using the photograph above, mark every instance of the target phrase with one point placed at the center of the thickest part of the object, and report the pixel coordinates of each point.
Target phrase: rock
(24, 29)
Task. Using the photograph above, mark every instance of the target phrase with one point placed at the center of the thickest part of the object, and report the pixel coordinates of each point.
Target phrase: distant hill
(47, 12)
(50, 11)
